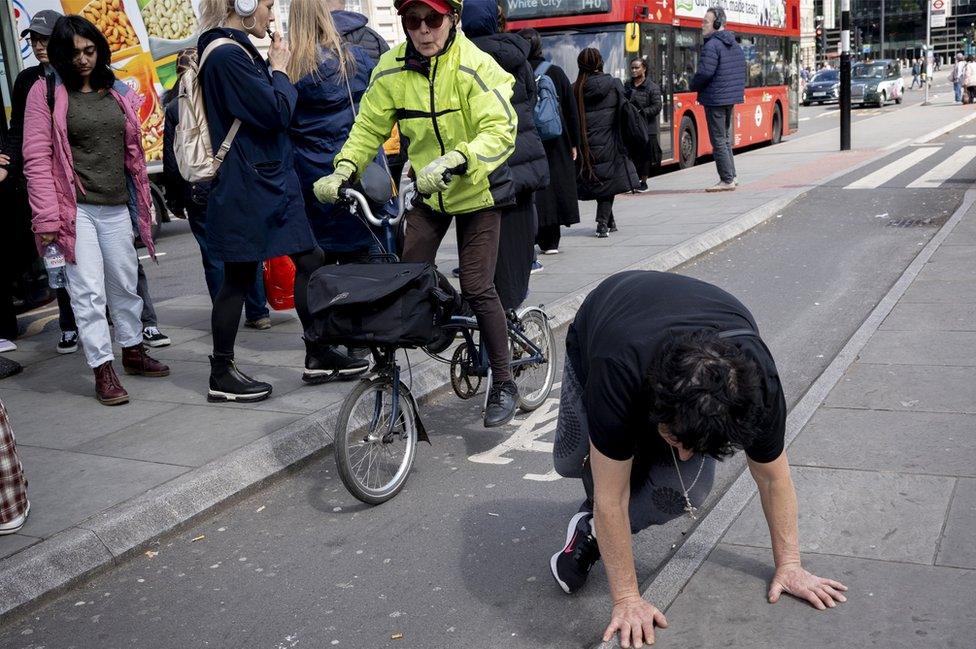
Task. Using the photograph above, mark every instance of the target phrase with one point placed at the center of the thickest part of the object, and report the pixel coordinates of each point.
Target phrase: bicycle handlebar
(406, 193)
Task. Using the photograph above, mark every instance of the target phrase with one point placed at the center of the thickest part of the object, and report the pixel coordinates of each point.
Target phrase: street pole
(845, 75)
(882, 29)
(928, 48)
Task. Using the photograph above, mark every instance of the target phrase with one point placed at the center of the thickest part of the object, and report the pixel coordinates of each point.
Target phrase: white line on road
(804, 119)
(946, 169)
(897, 145)
(889, 171)
(158, 255)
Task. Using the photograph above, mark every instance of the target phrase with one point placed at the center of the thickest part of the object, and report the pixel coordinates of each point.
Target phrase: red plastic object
(279, 283)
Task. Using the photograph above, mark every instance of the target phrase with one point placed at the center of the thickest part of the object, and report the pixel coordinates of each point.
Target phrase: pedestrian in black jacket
(557, 204)
(646, 96)
(354, 29)
(528, 164)
(603, 167)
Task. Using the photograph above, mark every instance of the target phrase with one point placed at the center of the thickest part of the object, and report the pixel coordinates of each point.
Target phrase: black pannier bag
(376, 304)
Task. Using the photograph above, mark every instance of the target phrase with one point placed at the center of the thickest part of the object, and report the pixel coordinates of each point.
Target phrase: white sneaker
(7, 345)
(14, 526)
(722, 187)
(554, 251)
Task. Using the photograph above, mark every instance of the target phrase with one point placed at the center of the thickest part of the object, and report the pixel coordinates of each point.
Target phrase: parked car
(823, 87)
(877, 82)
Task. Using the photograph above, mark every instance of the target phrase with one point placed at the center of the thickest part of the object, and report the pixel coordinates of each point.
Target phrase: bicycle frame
(467, 325)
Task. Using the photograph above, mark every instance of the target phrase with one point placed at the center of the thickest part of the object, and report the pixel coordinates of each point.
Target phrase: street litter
(198, 538)
(259, 509)
(151, 554)
(396, 636)
(492, 514)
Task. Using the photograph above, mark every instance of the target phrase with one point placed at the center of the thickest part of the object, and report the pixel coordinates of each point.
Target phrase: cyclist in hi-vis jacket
(453, 104)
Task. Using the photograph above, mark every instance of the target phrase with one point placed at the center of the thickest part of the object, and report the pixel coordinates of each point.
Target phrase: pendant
(691, 509)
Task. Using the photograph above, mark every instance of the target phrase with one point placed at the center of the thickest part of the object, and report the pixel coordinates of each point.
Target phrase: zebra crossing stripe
(889, 171)
(945, 169)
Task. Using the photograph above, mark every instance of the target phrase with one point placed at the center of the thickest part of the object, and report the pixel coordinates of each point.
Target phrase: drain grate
(916, 223)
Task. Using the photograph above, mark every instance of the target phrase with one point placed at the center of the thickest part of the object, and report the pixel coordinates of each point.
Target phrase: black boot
(324, 363)
(503, 400)
(227, 383)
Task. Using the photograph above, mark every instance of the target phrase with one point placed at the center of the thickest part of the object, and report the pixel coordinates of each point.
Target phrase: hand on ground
(635, 619)
(819, 592)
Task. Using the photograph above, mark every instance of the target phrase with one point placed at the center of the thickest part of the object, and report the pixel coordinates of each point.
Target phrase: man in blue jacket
(720, 83)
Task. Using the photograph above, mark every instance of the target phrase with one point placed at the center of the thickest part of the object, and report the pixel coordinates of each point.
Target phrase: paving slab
(909, 607)
(941, 290)
(912, 388)
(880, 440)
(887, 516)
(958, 547)
(921, 348)
(12, 543)
(931, 316)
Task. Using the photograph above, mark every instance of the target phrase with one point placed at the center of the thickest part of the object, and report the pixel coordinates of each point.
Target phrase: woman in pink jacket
(85, 171)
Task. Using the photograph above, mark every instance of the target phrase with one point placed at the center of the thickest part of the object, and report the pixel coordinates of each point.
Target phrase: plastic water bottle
(54, 263)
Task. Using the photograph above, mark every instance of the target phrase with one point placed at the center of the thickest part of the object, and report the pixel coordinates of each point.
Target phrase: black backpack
(633, 130)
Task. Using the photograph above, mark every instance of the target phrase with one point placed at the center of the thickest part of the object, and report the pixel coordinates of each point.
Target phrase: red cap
(440, 6)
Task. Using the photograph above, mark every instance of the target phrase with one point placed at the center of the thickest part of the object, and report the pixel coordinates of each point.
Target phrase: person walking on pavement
(646, 96)
(556, 204)
(355, 30)
(969, 79)
(453, 104)
(255, 209)
(956, 76)
(916, 70)
(14, 506)
(664, 376)
(603, 167)
(481, 21)
(189, 200)
(720, 83)
(85, 170)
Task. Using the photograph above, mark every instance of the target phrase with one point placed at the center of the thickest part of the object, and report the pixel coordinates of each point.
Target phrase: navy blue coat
(721, 76)
(255, 211)
(355, 31)
(319, 128)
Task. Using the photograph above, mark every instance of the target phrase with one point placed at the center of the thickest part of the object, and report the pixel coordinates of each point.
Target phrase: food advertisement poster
(764, 13)
(144, 37)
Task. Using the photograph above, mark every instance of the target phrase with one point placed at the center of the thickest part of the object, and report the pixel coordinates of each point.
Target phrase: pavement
(882, 450)
(136, 472)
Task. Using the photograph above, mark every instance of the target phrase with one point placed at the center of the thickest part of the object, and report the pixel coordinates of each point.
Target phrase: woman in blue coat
(255, 210)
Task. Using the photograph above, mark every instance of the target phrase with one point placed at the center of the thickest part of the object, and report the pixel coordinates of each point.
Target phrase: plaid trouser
(13, 484)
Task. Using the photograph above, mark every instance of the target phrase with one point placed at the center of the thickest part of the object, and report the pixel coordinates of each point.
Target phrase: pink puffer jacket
(51, 177)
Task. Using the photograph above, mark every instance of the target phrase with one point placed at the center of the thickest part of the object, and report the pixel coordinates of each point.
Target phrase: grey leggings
(655, 490)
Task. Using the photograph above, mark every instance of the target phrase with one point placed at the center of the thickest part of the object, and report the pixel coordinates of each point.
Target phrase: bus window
(754, 64)
(562, 48)
(687, 44)
(773, 61)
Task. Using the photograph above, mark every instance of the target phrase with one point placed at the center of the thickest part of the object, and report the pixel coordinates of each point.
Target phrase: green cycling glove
(326, 188)
(431, 180)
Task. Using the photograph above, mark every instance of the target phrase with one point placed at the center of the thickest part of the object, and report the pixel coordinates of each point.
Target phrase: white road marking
(526, 436)
(805, 119)
(889, 171)
(897, 145)
(946, 169)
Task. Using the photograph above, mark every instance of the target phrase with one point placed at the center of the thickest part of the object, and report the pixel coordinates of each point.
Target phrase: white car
(877, 82)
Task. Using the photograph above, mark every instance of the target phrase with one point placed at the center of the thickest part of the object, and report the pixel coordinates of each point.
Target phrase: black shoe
(502, 402)
(153, 337)
(68, 344)
(227, 383)
(613, 226)
(642, 187)
(601, 231)
(571, 566)
(324, 363)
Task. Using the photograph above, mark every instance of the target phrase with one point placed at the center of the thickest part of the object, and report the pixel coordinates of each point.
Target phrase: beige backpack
(195, 156)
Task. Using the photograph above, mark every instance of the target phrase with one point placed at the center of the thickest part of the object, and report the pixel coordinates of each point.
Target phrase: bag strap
(543, 68)
(236, 126)
(352, 107)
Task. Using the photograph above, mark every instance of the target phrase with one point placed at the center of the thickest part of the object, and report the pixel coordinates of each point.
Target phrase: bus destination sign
(529, 9)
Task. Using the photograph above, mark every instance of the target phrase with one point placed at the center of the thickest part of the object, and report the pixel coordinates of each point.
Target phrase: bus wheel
(777, 125)
(687, 143)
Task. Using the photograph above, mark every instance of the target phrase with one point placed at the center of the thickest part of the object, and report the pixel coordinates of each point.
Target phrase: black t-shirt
(616, 335)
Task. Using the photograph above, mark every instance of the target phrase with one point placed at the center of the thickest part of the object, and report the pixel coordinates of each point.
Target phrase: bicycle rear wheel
(373, 457)
(534, 380)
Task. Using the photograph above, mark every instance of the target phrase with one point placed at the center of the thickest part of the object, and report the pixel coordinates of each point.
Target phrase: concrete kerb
(690, 555)
(53, 565)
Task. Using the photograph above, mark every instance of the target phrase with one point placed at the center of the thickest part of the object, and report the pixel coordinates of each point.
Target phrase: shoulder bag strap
(236, 126)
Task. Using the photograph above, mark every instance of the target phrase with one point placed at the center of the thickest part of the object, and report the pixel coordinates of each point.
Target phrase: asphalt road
(459, 558)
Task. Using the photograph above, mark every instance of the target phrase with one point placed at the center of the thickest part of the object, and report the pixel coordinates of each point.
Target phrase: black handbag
(376, 304)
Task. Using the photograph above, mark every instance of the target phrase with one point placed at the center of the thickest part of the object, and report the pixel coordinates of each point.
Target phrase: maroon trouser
(477, 241)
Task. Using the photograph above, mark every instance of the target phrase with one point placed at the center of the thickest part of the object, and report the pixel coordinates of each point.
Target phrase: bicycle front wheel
(534, 379)
(375, 440)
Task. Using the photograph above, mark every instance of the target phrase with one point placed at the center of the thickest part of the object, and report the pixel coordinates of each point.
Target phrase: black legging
(238, 277)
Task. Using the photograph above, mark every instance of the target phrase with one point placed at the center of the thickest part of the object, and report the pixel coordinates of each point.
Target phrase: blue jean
(255, 300)
(957, 86)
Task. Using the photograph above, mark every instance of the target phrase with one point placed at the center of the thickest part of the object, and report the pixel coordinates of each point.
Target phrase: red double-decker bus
(668, 34)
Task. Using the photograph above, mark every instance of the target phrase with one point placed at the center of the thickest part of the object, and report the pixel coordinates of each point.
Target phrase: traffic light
(821, 34)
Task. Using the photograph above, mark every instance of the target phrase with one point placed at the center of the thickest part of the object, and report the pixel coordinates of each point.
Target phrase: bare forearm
(779, 505)
(612, 526)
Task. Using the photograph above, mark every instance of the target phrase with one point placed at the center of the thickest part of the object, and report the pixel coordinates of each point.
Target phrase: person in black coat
(557, 204)
(528, 164)
(354, 28)
(255, 209)
(603, 167)
(646, 96)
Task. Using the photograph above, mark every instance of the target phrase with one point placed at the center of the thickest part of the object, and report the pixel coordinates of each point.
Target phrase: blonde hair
(310, 29)
(213, 13)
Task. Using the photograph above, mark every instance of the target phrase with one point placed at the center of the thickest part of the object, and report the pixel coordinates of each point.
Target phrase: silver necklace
(689, 508)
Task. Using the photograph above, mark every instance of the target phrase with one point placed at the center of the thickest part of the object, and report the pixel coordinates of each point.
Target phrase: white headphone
(245, 8)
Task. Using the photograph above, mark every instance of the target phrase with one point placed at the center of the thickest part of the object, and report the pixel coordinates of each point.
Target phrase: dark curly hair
(706, 391)
(61, 52)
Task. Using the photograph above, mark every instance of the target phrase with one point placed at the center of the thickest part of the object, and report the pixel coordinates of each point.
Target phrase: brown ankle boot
(136, 361)
(108, 389)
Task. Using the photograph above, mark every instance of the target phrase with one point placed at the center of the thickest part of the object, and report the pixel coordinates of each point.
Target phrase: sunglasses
(433, 20)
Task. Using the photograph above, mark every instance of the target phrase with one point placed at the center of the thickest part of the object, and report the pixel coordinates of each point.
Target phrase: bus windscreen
(534, 9)
(562, 48)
